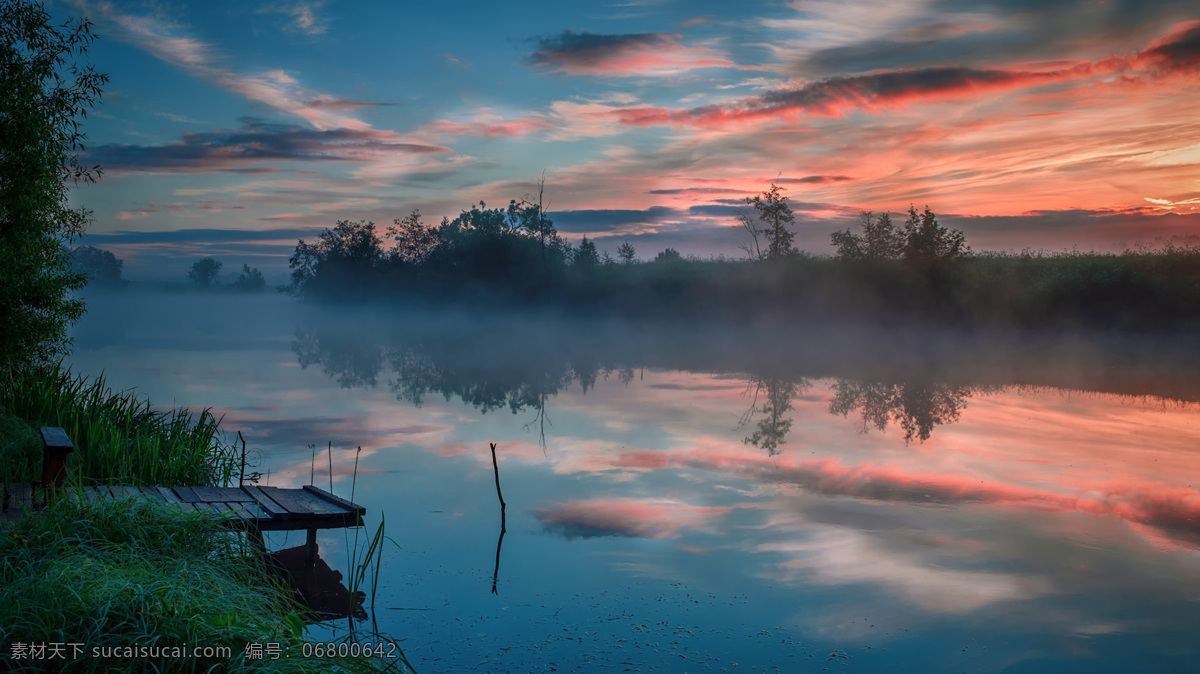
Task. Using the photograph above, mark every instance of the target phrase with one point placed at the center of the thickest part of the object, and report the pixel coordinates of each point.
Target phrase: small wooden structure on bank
(253, 508)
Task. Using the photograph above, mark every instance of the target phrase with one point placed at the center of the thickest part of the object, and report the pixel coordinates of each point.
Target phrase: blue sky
(233, 129)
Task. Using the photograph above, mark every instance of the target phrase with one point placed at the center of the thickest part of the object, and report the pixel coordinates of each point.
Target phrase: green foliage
(20, 448)
(101, 267)
(204, 272)
(250, 280)
(118, 437)
(44, 91)
(130, 573)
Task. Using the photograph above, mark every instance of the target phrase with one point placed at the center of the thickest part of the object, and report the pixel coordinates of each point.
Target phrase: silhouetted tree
(753, 247)
(101, 267)
(250, 280)
(626, 253)
(413, 241)
(773, 210)
(880, 240)
(668, 255)
(343, 257)
(204, 272)
(44, 90)
(585, 256)
(927, 243)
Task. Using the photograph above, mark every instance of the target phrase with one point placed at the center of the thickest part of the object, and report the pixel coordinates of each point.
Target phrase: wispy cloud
(305, 17)
(1176, 52)
(276, 88)
(256, 142)
(624, 55)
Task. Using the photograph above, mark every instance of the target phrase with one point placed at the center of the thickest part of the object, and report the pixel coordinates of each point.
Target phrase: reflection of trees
(774, 425)
(917, 406)
(347, 359)
(487, 376)
(486, 383)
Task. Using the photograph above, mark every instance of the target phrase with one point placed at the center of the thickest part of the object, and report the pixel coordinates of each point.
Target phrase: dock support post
(56, 445)
(310, 549)
(255, 535)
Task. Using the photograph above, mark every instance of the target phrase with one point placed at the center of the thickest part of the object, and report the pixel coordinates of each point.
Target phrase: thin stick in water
(503, 528)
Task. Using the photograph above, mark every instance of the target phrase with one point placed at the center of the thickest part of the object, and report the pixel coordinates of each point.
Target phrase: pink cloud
(630, 517)
(625, 55)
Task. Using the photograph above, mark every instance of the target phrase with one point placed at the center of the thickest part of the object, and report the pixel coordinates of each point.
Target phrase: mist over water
(688, 497)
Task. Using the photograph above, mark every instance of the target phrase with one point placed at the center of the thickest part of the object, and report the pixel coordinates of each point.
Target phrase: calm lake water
(766, 499)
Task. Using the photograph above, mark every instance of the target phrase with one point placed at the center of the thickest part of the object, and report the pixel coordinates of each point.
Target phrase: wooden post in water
(310, 550)
(56, 445)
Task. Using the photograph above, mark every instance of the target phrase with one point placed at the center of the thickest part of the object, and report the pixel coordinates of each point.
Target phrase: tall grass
(118, 437)
(131, 573)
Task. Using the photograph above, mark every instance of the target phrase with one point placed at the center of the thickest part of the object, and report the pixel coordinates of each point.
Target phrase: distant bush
(917, 273)
(101, 267)
(250, 280)
(204, 272)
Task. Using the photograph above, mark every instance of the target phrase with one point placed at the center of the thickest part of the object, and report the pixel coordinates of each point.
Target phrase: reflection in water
(317, 586)
(503, 525)
(773, 427)
(1060, 530)
(918, 406)
(523, 380)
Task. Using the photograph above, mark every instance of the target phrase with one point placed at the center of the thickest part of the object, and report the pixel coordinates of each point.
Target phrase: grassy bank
(119, 438)
(131, 574)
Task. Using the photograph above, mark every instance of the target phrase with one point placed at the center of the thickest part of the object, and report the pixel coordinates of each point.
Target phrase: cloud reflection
(625, 517)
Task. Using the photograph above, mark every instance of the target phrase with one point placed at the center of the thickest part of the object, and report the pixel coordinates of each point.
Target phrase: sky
(234, 129)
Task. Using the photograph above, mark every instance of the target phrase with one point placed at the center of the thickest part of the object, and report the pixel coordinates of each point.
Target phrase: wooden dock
(253, 508)
(262, 508)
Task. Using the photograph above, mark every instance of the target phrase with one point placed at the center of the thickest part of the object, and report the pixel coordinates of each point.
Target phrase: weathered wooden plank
(187, 495)
(209, 494)
(3, 497)
(167, 495)
(266, 504)
(313, 522)
(56, 438)
(239, 510)
(233, 495)
(300, 502)
(334, 499)
(123, 492)
(91, 495)
(151, 494)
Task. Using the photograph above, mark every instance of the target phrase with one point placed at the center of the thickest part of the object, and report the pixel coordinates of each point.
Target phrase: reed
(119, 438)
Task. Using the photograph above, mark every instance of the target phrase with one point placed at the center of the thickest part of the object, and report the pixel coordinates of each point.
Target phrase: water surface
(680, 499)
